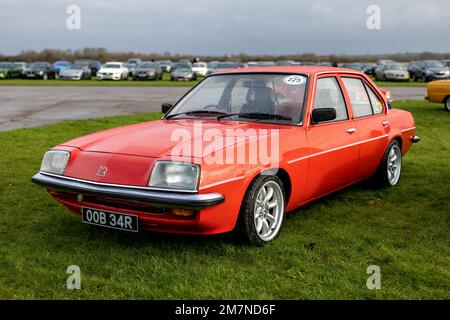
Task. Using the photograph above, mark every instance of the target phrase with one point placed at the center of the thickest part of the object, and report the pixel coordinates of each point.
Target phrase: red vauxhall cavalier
(237, 152)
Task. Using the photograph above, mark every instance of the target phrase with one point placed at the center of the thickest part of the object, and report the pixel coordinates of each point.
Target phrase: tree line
(104, 55)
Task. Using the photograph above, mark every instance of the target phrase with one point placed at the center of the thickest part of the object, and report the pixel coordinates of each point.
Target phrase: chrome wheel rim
(447, 104)
(394, 166)
(269, 210)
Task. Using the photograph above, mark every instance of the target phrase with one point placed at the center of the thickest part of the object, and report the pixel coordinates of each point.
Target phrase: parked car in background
(286, 63)
(61, 65)
(92, 64)
(200, 68)
(439, 92)
(324, 64)
(353, 66)
(148, 70)
(332, 129)
(113, 71)
(412, 67)
(211, 67)
(41, 70)
(368, 68)
(221, 66)
(384, 61)
(76, 72)
(392, 72)
(429, 70)
(446, 63)
(266, 63)
(184, 61)
(166, 65)
(23, 66)
(8, 70)
(183, 72)
(132, 64)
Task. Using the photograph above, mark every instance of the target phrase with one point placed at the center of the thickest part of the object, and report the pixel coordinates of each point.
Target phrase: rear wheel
(447, 104)
(389, 171)
(262, 211)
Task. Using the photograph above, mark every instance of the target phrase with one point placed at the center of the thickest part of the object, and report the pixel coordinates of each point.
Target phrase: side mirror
(323, 114)
(166, 107)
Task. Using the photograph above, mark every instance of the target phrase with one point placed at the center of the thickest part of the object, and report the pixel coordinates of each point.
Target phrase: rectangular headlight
(175, 175)
(55, 161)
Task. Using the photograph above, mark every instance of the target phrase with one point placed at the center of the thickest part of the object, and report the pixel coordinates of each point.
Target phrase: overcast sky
(227, 26)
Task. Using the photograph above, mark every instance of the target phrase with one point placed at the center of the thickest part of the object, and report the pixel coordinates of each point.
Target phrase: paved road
(23, 106)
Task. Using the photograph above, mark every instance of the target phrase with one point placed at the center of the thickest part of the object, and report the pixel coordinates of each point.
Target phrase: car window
(329, 95)
(376, 103)
(359, 99)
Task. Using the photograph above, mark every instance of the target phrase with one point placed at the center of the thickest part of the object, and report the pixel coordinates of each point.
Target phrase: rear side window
(377, 105)
(329, 95)
(358, 97)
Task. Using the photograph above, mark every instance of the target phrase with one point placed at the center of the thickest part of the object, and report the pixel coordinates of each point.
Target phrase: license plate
(121, 221)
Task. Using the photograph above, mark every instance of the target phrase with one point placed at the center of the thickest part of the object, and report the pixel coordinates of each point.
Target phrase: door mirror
(166, 107)
(323, 114)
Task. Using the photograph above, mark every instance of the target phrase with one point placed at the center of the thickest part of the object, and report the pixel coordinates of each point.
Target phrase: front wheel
(389, 171)
(262, 211)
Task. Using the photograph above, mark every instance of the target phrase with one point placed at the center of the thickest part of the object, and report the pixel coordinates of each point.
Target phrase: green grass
(323, 252)
(93, 82)
(401, 84)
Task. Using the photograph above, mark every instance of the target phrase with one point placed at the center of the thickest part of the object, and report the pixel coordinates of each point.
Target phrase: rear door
(334, 149)
(370, 122)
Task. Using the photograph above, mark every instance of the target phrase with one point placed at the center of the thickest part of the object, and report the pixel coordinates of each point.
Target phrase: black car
(41, 70)
(429, 70)
(412, 68)
(94, 65)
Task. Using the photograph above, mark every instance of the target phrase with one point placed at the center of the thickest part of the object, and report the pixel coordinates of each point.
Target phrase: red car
(237, 152)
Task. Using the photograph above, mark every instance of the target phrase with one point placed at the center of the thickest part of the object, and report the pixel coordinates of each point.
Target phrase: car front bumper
(169, 199)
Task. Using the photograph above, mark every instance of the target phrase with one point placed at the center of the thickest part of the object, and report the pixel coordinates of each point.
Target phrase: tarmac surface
(23, 106)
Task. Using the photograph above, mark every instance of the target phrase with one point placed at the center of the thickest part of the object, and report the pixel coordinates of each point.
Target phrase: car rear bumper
(192, 201)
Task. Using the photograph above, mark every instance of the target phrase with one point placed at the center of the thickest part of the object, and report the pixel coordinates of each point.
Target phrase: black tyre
(262, 211)
(389, 171)
(447, 104)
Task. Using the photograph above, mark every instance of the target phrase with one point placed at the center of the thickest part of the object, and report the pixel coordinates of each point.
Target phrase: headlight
(175, 175)
(55, 161)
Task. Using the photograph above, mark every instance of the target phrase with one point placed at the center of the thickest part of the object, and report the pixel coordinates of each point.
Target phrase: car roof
(311, 70)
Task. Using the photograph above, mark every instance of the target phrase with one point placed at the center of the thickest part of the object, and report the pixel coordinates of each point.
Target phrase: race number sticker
(294, 80)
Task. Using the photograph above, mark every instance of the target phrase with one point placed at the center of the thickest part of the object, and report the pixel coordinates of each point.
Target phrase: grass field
(323, 252)
(165, 82)
(93, 82)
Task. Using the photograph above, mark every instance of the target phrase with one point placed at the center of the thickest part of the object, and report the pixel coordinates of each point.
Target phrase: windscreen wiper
(220, 113)
(256, 115)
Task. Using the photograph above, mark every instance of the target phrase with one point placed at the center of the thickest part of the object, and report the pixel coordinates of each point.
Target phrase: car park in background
(132, 64)
(221, 66)
(23, 66)
(61, 65)
(439, 92)
(41, 70)
(200, 68)
(354, 66)
(9, 70)
(76, 72)
(183, 72)
(92, 64)
(391, 72)
(166, 65)
(429, 70)
(113, 71)
(147, 70)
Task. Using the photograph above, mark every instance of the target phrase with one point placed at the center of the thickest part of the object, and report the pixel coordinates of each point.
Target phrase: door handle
(385, 123)
(350, 130)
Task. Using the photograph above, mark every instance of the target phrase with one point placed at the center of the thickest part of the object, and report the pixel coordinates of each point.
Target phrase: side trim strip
(337, 148)
(408, 129)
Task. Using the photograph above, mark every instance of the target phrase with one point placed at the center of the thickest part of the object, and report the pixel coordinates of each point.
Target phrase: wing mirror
(323, 114)
(166, 107)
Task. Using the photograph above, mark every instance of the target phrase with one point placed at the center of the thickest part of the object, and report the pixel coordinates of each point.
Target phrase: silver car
(147, 71)
(391, 72)
(76, 72)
